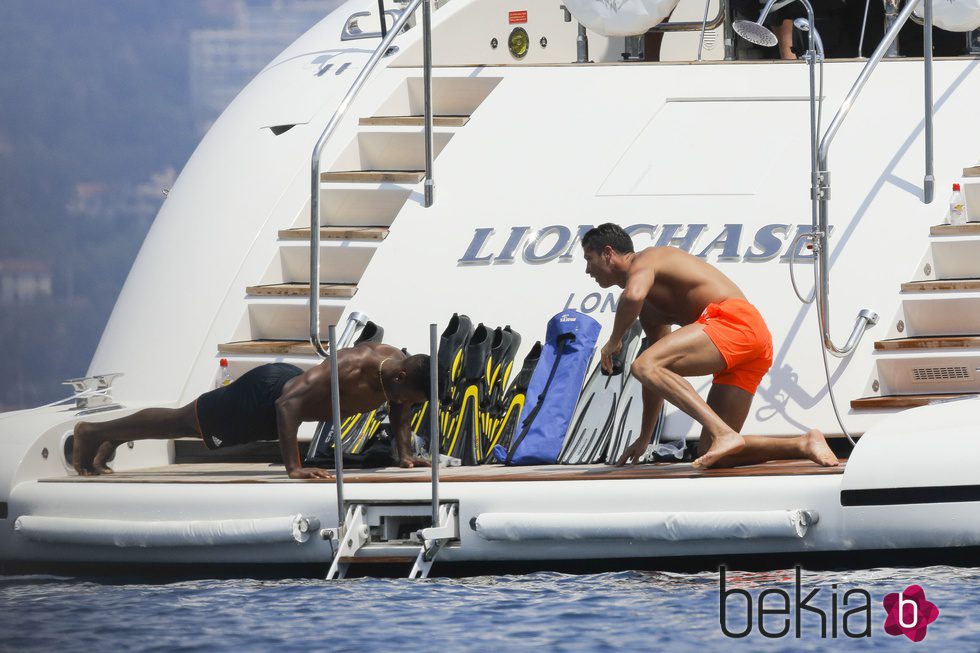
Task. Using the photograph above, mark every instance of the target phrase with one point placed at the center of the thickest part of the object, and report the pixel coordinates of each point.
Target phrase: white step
(941, 313)
(909, 372)
(388, 150)
(956, 257)
(459, 96)
(289, 318)
(357, 205)
(340, 261)
(403, 554)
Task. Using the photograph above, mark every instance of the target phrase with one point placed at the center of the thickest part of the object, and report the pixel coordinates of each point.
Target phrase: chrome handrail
(820, 190)
(348, 33)
(723, 17)
(328, 131)
(694, 25)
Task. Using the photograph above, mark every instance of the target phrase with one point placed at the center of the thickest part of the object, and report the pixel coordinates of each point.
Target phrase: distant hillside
(95, 116)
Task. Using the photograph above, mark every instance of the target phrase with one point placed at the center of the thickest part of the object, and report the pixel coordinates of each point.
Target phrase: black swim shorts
(245, 410)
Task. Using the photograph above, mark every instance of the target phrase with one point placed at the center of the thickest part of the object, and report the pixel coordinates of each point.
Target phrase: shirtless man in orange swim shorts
(720, 333)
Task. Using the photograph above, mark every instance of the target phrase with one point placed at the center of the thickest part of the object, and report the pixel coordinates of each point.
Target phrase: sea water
(541, 612)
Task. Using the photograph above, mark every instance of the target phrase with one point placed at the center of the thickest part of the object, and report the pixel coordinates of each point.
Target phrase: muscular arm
(628, 309)
(289, 412)
(400, 418)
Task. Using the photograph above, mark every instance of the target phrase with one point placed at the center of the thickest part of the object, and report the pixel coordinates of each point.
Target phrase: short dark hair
(610, 234)
(417, 373)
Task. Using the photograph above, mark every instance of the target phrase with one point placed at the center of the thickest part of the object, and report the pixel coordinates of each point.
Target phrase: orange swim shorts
(742, 337)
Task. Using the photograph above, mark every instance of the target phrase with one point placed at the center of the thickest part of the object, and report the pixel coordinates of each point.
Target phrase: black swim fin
(370, 333)
(449, 360)
(360, 435)
(514, 399)
(465, 425)
(500, 363)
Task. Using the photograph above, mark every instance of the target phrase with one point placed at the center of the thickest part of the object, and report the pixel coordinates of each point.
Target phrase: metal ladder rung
(355, 546)
(378, 560)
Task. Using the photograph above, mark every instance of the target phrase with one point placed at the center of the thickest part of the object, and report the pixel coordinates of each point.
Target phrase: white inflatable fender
(669, 526)
(620, 17)
(954, 15)
(150, 534)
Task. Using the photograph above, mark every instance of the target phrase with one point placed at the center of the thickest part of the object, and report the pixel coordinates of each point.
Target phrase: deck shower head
(803, 25)
(755, 32)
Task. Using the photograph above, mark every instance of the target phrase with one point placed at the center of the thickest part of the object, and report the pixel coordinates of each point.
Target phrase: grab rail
(328, 131)
(694, 25)
(820, 189)
(351, 31)
(723, 16)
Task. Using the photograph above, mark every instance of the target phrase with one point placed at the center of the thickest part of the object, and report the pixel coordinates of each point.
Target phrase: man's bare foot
(721, 446)
(84, 447)
(816, 449)
(100, 463)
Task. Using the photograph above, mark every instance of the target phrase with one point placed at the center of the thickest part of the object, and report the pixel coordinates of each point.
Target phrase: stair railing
(820, 184)
(331, 127)
(724, 17)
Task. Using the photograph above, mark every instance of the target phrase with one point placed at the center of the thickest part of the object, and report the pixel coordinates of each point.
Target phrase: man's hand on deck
(633, 452)
(310, 472)
(609, 350)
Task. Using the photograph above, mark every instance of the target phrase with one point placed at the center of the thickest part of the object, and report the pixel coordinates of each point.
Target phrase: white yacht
(450, 165)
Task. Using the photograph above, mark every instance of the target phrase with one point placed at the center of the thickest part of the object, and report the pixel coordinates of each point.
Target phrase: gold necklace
(381, 379)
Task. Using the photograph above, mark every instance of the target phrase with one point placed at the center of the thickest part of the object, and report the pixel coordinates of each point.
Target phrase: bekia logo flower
(909, 613)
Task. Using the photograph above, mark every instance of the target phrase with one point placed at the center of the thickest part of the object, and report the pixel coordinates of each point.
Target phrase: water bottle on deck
(224, 374)
(957, 206)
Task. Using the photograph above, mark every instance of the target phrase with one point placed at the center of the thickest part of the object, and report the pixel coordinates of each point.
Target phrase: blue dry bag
(553, 391)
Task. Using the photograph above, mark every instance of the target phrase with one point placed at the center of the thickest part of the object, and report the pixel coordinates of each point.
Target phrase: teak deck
(267, 473)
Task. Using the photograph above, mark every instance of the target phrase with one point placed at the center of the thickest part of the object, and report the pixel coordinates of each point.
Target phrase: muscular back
(360, 388)
(683, 285)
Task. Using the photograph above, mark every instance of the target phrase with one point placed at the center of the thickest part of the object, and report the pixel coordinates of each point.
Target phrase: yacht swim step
(303, 290)
(336, 233)
(903, 401)
(413, 121)
(378, 560)
(971, 229)
(928, 342)
(374, 176)
(275, 347)
(944, 284)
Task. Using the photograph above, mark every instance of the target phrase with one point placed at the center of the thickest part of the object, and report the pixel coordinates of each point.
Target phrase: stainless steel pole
(328, 131)
(929, 181)
(381, 13)
(704, 26)
(427, 94)
(866, 318)
(338, 450)
(811, 58)
(891, 16)
(582, 45)
(728, 33)
(434, 419)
